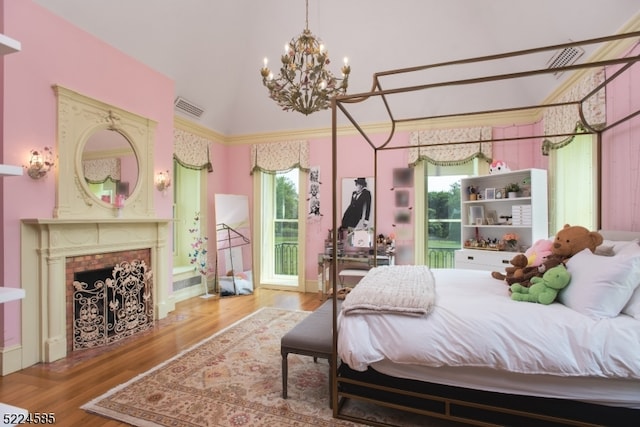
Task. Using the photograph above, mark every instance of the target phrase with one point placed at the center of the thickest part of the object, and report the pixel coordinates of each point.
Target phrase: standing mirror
(234, 262)
(110, 166)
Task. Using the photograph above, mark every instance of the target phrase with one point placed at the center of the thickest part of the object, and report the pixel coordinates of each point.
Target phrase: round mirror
(110, 166)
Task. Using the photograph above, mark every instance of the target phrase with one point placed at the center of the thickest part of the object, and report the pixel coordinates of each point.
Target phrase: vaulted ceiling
(214, 49)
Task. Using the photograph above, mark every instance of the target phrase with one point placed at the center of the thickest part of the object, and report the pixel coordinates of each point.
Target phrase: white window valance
(443, 146)
(280, 156)
(566, 118)
(98, 171)
(191, 150)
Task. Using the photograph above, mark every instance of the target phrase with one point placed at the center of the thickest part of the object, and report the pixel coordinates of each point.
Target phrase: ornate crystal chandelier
(304, 84)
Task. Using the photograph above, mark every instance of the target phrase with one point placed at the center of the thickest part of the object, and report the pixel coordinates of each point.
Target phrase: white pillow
(633, 306)
(604, 250)
(614, 247)
(600, 286)
(631, 248)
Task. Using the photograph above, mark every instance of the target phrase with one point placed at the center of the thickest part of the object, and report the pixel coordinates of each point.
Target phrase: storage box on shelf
(488, 215)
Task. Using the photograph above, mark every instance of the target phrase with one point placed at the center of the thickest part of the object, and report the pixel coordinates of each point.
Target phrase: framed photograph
(402, 216)
(357, 202)
(498, 193)
(476, 213)
(402, 199)
(492, 217)
(479, 221)
(489, 193)
(402, 177)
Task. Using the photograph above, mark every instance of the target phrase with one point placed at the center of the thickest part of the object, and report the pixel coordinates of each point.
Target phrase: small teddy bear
(543, 290)
(525, 266)
(514, 272)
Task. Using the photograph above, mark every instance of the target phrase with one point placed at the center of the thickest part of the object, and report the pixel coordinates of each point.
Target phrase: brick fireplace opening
(109, 297)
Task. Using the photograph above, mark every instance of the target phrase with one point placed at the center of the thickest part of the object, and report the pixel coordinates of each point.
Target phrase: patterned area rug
(234, 379)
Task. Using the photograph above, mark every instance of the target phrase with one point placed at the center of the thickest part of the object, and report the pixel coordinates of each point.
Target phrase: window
(442, 207)
(187, 185)
(280, 246)
(573, 191)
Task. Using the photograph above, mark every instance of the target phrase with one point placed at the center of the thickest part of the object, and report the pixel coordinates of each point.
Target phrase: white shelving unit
(8, 45)
(487, 219)
(10, 170)
(11, 294)
(7, 295)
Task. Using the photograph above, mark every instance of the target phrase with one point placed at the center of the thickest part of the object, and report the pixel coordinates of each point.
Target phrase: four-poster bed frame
(459, 404)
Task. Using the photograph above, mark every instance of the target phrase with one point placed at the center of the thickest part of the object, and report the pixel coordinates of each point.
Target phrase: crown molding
(196, 129)
(511, 118)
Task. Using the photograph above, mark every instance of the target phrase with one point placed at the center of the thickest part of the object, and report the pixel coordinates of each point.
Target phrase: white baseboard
(187, 293)
(10, 359)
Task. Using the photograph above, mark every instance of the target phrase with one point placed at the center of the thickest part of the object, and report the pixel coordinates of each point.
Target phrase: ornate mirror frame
(79, 117)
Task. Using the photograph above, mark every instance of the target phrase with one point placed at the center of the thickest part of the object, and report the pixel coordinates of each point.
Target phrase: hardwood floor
(63, 386)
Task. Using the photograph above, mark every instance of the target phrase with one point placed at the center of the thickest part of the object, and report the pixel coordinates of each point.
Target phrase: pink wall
(54, 52)
(356, 160)
(231, 175)
(11, 307)
(621, 153)
(519, 153)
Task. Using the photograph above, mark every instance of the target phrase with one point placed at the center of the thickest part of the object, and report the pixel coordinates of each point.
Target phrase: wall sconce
(40, 162)
(163, 181)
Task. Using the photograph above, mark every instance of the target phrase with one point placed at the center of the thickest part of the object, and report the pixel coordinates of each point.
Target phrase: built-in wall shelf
(10, 170)
(8, 45)
(11, 294)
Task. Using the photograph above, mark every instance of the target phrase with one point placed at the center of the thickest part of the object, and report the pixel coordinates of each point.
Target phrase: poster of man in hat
(357, 203)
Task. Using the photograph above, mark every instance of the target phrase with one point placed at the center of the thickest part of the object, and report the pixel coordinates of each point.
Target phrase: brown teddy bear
(573, 239)
(568, 241)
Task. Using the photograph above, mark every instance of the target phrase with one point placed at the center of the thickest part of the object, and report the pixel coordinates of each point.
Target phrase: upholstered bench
(351, 272)
(311, 337)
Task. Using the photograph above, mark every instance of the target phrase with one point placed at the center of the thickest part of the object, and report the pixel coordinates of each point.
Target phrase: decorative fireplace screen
(110, 304)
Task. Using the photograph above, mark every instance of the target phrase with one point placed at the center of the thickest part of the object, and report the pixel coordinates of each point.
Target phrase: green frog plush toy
(543, 289)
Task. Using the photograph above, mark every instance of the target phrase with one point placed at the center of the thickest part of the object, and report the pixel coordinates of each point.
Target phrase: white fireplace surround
(47, 243)
(84, 224)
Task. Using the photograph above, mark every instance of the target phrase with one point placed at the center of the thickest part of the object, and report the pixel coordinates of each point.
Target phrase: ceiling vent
(187, 107)
(564, 57)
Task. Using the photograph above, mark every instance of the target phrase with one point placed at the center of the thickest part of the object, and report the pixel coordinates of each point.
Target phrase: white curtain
(441, 146)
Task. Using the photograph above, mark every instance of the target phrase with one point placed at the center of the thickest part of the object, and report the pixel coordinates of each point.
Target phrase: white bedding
(474, 323)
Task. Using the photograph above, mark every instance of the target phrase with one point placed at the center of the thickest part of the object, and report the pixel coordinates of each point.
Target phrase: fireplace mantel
(48, 242)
